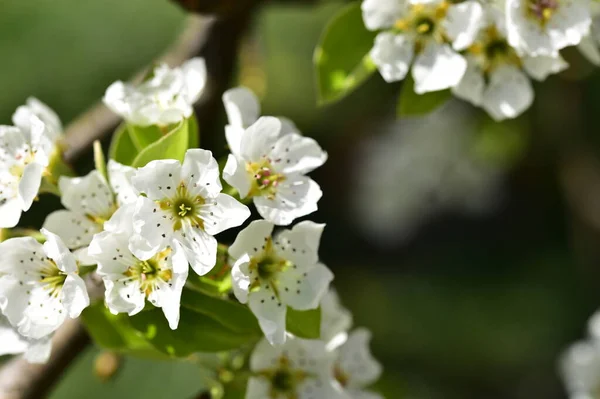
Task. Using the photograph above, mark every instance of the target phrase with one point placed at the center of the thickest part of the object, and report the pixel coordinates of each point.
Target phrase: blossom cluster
(142, 228)
(485, 52)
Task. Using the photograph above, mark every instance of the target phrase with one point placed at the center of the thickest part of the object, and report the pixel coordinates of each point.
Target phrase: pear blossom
(543, 27)
(271, 273)
(299, 369)
(429, 34)
(335, 320)
(590, 44)
(579, 366)
(35, 110)
(165, 98)
(90, 201)
(183, 205)
(497, 75)
(355, 368)
(268, 163)
(13, 343)
(129, 281)
(23, 160)
(39, 285)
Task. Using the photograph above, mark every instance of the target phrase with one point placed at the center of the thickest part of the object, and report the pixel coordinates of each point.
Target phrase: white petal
(301, 243)
(253, 236)
(120, 181)
(438, 67)
(240, 281)
(463, 22)
(540, 67)
(392, 53)
(569, 24)
(56, 249)
(194, 73)
(258, 139)
(304, 289)
(580, 366)
(200, 172)
(168, 297)
(356, 360)
(158, 179)
(199, 247)
(88, 195)
(297, 154)
(10, 212)
(335, 319)
(270, 314)
(589, 48)
(236, 175)
(472, 84)
(75, 296)
(222, 213)
(74, 229)
(258, 388)
(508, 94)
(263, 356)
(11, 342)
(380, 14)
(30, 184)
(152, 232)
(122, 220)
(39, 350)
(242, 107)
(233, 135)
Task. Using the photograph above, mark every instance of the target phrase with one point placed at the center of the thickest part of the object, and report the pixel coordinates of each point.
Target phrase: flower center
(184, 206)
(268, 267)
(151, 272)
(424, 22)
(492, 50)
(542, 10)
(52, 278)
(283, 381)
(265, 180)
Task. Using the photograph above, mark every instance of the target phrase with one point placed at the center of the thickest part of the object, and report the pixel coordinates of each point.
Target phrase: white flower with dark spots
(273, 272)
(269, 164)
(425, 34)
(183, 204)
(90, 201)
(39, 285)
(129, 281)
(355, 368)
(23, 161)
(543, 27)
(165, 98)
(13, 343)
(299, 369)
(335, 320)
(497, 76)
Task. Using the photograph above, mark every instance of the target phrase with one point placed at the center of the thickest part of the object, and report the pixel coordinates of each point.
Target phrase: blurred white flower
(417, 168)
(336, 320)
(90, 201)
(299, 369)
(130, 281)
(355, 368)
(427, 34)
(26, 116)
(590, 44)
(272, 273)
(39, 285)
(165, 98)
(183, 205)
(269, 160)
(543, 27)
(13, 343)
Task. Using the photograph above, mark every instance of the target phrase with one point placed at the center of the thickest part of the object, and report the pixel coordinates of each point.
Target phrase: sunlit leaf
(304, 324)
(172, 145)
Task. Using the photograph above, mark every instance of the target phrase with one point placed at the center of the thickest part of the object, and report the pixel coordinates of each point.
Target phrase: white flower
(39, 285)
(336, 320)
(22, 163)
(271, 273)
(165, 98)
(430, 33)
(543, 27)
(590, 44)
(130, 281)
(497, 75)
(183, 204)
(90, 201)
(355, 368)
(33, 110)
(270, 167)
(13, 343)
(580, 369)
(298, 369)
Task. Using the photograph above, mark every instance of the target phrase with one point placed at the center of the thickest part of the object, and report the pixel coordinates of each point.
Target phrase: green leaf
(413, 104)
(143, 136)
(172, 145)
(500, 144)
(341, 57)
(197, 332)
(99, 160)
(115, 332)
(193, 132)
(122, 149)
(304, 324)
(230, 314)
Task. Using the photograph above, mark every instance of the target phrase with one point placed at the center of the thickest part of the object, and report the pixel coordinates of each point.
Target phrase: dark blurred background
(469, 248)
